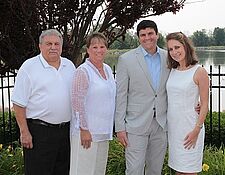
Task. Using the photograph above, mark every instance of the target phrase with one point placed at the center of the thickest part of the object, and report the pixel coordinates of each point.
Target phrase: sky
(203, 14)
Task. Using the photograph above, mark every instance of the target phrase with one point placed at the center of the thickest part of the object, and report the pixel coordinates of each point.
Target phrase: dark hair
(146, 24)
(190, 55)
(96, 35)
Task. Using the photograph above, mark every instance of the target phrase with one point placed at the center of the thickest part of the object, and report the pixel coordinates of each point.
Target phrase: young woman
(187, 84)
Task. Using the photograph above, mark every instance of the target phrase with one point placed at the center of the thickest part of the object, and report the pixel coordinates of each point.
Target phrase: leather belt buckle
(43, 123)
(61, 125)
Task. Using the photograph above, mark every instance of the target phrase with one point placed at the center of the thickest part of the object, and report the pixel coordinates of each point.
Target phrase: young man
(141, 103)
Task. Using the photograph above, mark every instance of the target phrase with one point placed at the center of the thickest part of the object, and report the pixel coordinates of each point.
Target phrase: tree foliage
(216, 38)
(130, 41)
(200, 38)
(219, 36)
(23, 20)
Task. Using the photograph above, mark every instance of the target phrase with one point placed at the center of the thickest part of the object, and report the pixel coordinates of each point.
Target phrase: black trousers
(50, 154)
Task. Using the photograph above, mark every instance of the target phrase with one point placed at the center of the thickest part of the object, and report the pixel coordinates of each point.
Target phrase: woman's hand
(191, 138)
(86, 139)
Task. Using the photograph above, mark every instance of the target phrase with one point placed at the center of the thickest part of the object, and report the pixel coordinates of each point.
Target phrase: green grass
(214, 158)
(11, 160)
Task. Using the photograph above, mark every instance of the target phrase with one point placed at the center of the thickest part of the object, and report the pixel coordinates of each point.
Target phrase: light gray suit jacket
(136, 97)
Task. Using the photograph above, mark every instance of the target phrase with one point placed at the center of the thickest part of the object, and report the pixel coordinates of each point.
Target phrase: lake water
(215, 58)
(206, 58)
(211, 57)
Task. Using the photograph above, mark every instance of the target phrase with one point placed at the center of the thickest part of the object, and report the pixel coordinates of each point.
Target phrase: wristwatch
(199, 125)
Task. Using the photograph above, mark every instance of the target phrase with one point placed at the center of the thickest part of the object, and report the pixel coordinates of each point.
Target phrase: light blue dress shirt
(154, 66)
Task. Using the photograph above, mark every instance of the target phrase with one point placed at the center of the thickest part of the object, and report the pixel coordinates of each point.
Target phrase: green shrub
(214, 158)
(9, 130)
(12, 132)
(116, 159)
(11, 160)
(212, 137)
(213, 161)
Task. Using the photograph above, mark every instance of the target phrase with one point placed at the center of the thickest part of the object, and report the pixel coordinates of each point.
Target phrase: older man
(41, 100)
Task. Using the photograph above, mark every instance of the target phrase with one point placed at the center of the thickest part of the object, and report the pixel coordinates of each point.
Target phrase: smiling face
(51, 48)
(176, 51)
(148, 39)
(97, 50)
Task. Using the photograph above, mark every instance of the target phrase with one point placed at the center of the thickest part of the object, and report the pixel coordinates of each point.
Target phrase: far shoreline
(211, 48)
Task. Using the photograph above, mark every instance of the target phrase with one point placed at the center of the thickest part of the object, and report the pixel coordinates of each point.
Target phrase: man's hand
(122, 137)
(25, 136)
(26, 140)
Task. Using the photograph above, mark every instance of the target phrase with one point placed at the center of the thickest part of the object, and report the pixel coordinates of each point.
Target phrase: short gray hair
(50, 32)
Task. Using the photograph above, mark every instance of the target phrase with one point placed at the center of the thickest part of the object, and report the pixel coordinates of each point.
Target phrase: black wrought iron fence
(215, 123)
(215, 127)
(8, 128)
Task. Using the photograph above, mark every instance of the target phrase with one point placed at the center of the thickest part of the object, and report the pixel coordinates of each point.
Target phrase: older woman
(93, 99)
(188, 82)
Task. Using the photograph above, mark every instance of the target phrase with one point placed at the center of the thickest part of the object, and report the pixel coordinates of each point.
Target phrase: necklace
(99, 66)
(184, 68)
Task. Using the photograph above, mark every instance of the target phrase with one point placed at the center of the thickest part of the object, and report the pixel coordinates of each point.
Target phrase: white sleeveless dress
(183, 96)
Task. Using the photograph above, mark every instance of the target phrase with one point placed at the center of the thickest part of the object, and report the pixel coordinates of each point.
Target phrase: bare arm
(202, 80)
(25, 136)
(203, 84)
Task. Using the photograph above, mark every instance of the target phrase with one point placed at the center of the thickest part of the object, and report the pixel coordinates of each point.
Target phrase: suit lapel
(163, 73)
(141, 60)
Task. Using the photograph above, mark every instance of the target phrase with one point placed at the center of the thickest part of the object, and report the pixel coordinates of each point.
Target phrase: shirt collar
(45, 63)
(92, 65)
(146, 53)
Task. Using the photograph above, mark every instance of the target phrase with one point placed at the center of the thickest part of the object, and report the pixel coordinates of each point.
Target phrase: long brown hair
(191, 57)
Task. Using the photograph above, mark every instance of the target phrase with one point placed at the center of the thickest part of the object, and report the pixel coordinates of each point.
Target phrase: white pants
(90, 161)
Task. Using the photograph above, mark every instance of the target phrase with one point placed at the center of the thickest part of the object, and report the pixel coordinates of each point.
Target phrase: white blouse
(93, 101)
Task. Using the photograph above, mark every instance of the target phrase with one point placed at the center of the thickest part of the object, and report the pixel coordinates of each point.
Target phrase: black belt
(43, 123)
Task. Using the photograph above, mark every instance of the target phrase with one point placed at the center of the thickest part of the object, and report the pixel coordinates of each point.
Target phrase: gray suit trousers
(145, 153)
